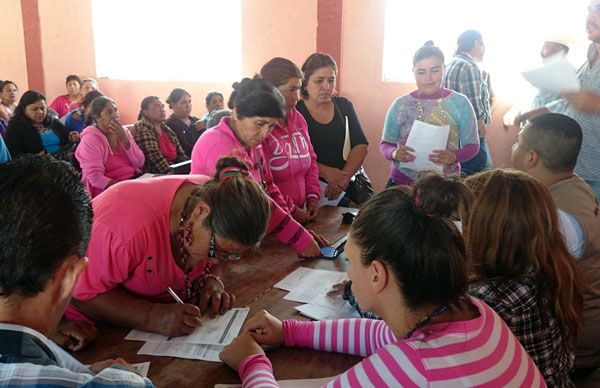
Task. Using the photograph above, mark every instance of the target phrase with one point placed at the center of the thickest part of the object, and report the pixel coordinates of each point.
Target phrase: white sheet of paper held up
(424, 138)
(556, 75)
(218, 331)
(182, 350)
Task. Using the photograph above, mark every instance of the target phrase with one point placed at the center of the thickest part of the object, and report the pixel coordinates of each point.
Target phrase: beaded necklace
(184, 235)
(443, 308)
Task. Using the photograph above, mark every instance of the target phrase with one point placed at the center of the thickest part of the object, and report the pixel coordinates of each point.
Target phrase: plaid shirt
(464, 76)
(145, 136)
(517, 304)
(28, 359)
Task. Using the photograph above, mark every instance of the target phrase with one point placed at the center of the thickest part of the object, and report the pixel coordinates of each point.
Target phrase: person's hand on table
(338, 289)
(99, 366)
(403, 154)
(174, 319)
(213, 299)
(240, 348)
(74, 335)
(443, 157)
(332, 191)
(264, 328)
(312, 250)
(320, 239)
(301, 216)
(312, 209)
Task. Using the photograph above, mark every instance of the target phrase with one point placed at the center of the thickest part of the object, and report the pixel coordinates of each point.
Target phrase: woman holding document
(439, 115)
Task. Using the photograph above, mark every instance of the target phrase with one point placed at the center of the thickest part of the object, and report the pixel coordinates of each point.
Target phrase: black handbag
(359, 188)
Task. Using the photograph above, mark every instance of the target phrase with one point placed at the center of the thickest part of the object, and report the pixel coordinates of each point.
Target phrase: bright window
(513, 32)
(174, 40)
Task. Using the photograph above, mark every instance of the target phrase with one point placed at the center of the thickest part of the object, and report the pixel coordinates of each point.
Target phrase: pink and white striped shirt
(480, 351)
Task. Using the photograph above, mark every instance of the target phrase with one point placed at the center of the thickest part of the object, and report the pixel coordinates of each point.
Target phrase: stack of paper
(311, 286)
(203, 344)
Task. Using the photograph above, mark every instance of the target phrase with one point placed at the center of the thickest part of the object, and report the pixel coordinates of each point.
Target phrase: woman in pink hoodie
(107, 152)
(256, 108)
(288, 150)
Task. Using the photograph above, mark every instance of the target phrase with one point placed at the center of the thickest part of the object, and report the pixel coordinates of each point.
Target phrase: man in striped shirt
(45, 229)
(464, 76)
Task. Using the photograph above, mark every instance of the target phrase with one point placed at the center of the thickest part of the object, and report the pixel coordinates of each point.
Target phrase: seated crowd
(489, 279)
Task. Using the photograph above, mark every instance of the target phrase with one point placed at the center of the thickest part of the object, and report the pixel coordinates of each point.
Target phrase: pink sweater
(100, 163)
(293, 162)
(481, 351)
(219, 142)
(63, 105)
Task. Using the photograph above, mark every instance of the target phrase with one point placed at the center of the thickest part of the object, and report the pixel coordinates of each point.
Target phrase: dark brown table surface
(251, 280)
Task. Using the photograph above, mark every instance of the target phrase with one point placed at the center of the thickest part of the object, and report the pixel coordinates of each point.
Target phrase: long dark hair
(513, 231)
(28, 98)
(426, 253)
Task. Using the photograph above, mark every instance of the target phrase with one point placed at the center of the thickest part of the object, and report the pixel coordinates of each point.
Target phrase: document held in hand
(557, 75)
(425, 138)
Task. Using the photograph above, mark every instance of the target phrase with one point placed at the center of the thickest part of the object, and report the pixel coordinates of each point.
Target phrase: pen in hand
(174, 295)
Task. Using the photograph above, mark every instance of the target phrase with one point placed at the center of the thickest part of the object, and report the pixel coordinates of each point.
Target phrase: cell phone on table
(335, 249)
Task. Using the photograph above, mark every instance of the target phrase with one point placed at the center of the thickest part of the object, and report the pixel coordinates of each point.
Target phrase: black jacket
(22, 137)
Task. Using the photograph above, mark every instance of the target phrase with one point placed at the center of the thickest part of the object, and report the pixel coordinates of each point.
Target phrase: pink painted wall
(269, 28)
(362, 54)
(13, 63)
(67, 42)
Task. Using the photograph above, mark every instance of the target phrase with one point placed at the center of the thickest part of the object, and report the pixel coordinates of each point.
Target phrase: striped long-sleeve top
(480, 351)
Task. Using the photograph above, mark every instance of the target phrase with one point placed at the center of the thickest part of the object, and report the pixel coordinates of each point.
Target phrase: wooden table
(251, 280)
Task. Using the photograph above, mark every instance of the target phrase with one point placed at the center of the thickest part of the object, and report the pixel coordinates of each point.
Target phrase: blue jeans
(481, 162)
(595, 185)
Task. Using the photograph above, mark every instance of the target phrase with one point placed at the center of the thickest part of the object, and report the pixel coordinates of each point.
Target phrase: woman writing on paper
(429, 104)
(409, 267)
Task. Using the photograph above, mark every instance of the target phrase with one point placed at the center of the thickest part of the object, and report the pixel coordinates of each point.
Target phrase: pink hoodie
(100, 164)
(293, 162)
(219, 142)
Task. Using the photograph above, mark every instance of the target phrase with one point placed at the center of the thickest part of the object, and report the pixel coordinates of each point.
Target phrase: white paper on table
(314, 289)
(147, 175)
(556, 75)
(300, 383)
(300, 275)
(324, 201)
(321, 313)
(182, 350)
(218, 331)
(142, 368)
(424, 138)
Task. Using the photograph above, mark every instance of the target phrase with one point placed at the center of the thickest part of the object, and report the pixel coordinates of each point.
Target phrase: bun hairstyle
(96, 107)
(279, 70)
(426, 253)
(428, 50)
(253, 97)
(314, 62)
(240, 208)
(176, 95)
(145, 104)
(442, 195)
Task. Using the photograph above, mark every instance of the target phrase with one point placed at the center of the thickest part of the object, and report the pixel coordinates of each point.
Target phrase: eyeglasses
(212, 250)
